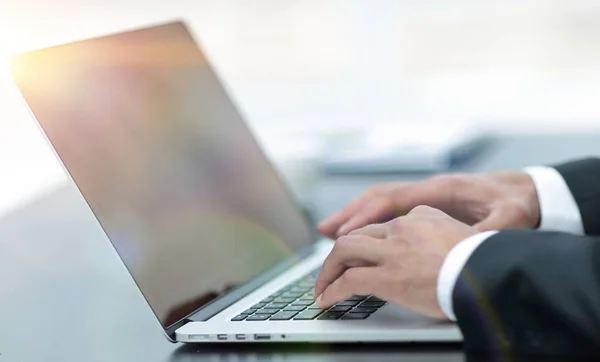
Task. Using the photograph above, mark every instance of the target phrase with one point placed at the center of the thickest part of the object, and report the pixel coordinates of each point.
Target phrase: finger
(377, 231)
(376, 210)
(349, 251)
(494, 221)
(330, 226)
(354, 281)
(435, 192)
(502, 218)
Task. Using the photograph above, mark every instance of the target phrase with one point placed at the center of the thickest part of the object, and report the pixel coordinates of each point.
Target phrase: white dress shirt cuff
(451, 268)
(558, 209)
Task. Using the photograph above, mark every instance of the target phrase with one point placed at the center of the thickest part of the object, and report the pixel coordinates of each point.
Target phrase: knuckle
(355, 232)
(371, 192)
(398, 224)
(343, 242)
(377, 204)
(342, 245)
(451, 180)
(359, 231)
(349, 277)
(440, 180)
(421, 209)
(381, 188)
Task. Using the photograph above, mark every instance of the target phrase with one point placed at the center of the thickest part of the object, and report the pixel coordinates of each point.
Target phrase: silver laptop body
(207, 229)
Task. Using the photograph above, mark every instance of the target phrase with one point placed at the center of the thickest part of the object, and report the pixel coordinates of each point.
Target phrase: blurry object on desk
(401, 148)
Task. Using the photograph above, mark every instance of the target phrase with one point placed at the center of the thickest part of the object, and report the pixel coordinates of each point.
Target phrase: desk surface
(65, 296)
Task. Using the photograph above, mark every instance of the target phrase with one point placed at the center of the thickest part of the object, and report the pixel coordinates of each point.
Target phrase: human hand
(494, 201)
(398, 261)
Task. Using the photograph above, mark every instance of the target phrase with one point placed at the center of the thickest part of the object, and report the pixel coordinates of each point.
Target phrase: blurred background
(301, 71)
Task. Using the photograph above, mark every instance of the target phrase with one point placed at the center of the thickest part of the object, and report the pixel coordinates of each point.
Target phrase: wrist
(521, 189)
(530, 196)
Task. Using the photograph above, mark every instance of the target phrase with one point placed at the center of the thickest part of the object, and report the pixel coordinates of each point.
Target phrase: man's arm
(517, 292)
(558, 212)
(558, 208)
(583, 180)
(526, 291)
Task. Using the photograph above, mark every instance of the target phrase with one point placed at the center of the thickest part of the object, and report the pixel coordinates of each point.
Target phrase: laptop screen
(165, 162)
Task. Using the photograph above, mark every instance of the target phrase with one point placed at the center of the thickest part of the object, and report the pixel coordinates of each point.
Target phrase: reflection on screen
(164, 161)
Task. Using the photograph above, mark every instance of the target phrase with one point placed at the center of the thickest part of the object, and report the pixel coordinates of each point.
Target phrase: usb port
(262, 337)
(240, 337)
(222, 337)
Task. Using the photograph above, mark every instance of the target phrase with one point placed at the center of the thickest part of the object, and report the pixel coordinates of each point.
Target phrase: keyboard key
(313, 306)
(364, 310)
(267, 311)
(340, 309)
(294, 308)
(347, 303)
(276, 305)
(249, 311)
(292, 295)
(308, 315)
(374, 299)
(356, 316)
(331, 315)
(283, 316)
(357, 298)
(258, 306)
(267, 300)
(372, 304)
(284, 300)
(238, 318)
(305, 303)
(257, 317)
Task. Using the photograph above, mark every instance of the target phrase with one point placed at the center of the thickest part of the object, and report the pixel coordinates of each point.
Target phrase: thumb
(496, 220)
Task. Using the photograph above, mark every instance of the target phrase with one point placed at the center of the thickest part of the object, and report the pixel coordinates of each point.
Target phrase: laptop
(217, 245)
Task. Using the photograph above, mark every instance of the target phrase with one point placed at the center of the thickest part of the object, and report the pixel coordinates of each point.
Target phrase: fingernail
(319, 300)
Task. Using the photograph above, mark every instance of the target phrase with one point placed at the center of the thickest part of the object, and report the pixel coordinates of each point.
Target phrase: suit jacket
(525, 292)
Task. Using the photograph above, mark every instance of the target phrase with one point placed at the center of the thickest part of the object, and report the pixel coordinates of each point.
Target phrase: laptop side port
(240, 337)
(222, 337)
(262, 337)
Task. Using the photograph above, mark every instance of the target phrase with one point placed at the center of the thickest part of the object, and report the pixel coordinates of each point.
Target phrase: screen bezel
(227, 299)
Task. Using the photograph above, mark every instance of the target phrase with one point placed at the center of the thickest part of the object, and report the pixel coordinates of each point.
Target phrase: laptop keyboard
(296, 302)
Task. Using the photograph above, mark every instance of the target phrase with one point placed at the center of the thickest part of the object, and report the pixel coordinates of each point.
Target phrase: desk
(66, 297)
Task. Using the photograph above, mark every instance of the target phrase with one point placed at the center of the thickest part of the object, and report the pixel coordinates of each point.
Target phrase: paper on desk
(427, 148)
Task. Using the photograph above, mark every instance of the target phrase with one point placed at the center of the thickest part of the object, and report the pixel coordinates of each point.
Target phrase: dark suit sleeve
(531, 292)
(583, 179)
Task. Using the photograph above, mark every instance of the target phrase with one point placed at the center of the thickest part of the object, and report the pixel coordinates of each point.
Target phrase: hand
(398, 261)
(495, 201)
